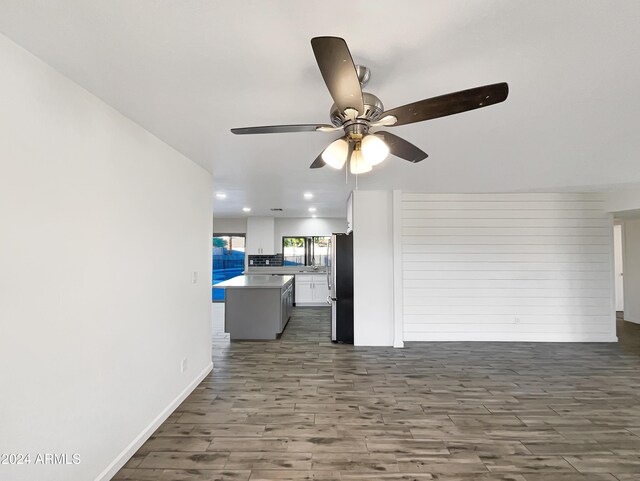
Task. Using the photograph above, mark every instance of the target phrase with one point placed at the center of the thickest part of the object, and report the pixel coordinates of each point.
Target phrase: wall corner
(398, 314)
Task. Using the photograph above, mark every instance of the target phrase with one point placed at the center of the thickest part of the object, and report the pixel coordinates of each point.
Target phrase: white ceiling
(188, 71)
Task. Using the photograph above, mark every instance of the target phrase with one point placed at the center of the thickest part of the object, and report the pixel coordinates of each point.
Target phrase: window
(294, 251)
(228, 260)
(321, 251)
(305, 251)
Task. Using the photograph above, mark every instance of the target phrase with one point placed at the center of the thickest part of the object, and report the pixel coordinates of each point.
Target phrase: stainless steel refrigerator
(340, 280)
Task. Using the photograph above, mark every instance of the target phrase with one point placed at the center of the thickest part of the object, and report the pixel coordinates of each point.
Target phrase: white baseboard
(493, 337)
(140, 439)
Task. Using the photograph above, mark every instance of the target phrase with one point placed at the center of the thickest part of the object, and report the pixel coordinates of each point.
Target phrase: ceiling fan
(357, 112)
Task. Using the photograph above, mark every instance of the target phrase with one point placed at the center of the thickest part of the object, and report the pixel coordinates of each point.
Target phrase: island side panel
(252, 313)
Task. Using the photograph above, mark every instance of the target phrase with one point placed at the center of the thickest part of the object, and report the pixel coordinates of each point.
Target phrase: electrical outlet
(516, 320)
(251, 262)
(194, 277)
(266, 261)
(183, 365)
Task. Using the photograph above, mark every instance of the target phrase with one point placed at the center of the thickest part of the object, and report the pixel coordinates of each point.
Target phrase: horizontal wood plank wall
(506, 267)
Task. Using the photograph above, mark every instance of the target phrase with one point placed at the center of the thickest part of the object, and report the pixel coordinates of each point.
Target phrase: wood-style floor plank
(303, 408)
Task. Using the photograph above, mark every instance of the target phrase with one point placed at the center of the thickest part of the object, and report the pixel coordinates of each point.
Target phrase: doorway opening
(626, 247)
(618, 263)
(228, 260)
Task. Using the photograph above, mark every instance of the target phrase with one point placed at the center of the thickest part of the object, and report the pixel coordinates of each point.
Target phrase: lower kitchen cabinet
(311, 290)
(286, 302)
(257, 306)
(304, 292)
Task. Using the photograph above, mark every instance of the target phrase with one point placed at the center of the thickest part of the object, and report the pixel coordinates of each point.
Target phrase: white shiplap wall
(506, 267)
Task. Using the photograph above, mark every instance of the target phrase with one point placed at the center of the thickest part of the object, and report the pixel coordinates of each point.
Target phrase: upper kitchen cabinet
(350, 213)
(260, 232)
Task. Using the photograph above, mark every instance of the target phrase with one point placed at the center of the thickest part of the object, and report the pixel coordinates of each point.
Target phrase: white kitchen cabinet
(260, 232)
(320, 289)
(311, 290)
(304, 292)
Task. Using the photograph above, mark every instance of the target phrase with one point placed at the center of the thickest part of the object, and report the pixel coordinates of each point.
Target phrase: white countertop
(256, 280)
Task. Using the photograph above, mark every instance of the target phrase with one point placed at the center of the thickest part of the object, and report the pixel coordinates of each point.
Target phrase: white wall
(102, 227)
(284, 226)
(631, 233)
(301, 226)
(373, 268)
(507, 267)
(224, 225)
(623, 200)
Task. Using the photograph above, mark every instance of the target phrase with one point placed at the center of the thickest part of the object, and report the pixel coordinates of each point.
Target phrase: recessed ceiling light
(312, 209)
(221, 195)
(308, 195)
(246, 209)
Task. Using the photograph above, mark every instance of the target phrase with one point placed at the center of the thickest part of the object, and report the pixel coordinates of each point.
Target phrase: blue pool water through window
(228, 260)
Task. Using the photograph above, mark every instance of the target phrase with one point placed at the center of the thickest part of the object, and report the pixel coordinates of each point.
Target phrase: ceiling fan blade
(449, 104)
(401, 148)
(279, 129)
(318, 163)
(339, 72)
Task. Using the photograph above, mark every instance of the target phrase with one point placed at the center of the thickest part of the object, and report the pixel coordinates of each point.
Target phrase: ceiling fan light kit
(336, 154)
(358, 164)
(356, 112)
(374, 150)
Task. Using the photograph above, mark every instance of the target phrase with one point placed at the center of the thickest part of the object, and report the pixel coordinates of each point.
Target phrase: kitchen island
(257, 306)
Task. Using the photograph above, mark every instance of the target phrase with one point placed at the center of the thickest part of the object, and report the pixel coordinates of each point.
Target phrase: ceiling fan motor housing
(372, 109)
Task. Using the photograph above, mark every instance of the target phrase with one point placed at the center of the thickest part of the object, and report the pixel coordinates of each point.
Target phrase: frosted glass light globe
(336, 154)
(358, 165)
(374, 150)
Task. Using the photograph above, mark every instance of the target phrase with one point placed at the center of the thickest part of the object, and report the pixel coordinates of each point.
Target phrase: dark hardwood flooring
(302, 408)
